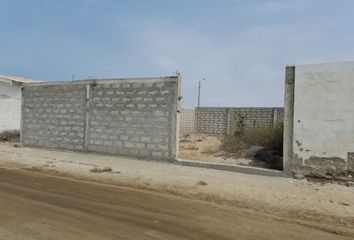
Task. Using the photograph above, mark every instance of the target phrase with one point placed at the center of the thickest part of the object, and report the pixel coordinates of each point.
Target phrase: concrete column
(228, 121)
(288, 119)
(22, 113)
(275, 117)
(194, 120)
(197, 120)
(175, 121)
(87, 117)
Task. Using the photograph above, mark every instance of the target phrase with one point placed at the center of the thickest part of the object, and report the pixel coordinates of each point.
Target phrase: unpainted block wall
(54, 116)
(135, 117)
(188, 120)
(256, 117)
(222, 120)
(212, 120)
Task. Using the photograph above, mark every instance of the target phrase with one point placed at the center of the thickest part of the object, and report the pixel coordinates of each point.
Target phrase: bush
(268, 140)
(10, 136)
(233, 144)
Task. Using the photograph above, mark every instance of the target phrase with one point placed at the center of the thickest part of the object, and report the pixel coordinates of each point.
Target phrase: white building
(10, 101)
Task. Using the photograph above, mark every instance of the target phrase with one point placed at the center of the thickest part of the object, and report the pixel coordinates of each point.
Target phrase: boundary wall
(225, 120)
(319, 120)
(134, 117)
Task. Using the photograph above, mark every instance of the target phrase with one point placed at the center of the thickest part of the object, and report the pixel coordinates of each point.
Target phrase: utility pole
(199, 93)
(199, 87)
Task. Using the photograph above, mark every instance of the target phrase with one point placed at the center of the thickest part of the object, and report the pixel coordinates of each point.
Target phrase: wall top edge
(174, 79)
(234, 107)
(325, 64)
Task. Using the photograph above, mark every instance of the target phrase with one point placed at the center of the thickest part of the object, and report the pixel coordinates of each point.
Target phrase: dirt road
(35, 205)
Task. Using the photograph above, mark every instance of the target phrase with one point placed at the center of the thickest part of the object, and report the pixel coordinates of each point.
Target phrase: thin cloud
(240, 47)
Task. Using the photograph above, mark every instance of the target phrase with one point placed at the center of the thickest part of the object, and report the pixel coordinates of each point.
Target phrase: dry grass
(10, 136)
(265, 144)
(269, 138)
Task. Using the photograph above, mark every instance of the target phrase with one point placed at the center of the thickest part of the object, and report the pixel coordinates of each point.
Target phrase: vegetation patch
(264, 144)
(10, 136)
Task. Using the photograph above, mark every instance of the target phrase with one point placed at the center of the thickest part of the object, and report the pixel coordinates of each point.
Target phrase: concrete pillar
(87, 116)
(288, 119)
(194, 120)
(228, 121)
(197, 123)
(175, 121)
(275, 117)
(22, 115)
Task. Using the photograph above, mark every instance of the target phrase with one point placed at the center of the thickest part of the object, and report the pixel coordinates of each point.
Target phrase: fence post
(228, 121)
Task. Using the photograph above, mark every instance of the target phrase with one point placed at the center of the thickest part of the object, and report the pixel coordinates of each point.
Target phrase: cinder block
(157, 154)
(129, 145)
(145, 139)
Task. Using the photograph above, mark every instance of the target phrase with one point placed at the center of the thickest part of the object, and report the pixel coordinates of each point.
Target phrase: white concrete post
(22, 113)
(288, 119)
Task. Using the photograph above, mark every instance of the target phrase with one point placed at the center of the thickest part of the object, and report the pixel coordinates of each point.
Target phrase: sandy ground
(53, 195)
(37, 206)
(206, 148)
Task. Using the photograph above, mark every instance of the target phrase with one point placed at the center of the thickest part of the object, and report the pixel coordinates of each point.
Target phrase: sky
(240, 47)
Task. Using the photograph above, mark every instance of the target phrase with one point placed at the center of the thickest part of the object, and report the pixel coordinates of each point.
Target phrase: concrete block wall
(135, 117)
(224, 120)
(255, 117)
(188, 120)
(212, 120)
(54, 116)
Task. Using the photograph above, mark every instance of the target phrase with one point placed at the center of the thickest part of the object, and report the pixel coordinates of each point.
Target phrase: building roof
(16, 79)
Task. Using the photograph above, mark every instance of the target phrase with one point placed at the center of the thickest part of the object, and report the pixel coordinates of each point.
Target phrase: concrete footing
(233, 168)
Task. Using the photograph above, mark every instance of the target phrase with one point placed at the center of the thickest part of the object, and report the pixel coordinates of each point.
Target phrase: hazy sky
(241, 47)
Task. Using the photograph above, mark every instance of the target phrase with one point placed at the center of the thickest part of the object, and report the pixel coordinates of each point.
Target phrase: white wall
(10, 106)
(324, 111)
